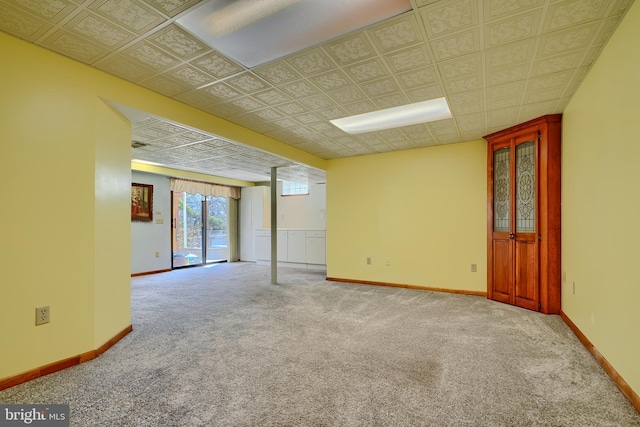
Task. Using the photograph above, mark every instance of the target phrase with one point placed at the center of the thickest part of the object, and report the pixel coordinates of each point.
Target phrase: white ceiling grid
(497, 62)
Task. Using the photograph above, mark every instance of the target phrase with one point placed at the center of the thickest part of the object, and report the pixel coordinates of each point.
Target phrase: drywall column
(274, 226)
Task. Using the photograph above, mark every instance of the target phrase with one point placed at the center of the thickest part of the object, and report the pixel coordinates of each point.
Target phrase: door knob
(511, 236)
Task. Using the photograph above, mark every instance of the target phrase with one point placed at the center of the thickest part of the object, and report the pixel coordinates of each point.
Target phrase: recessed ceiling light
(253, 32)
(405, 115)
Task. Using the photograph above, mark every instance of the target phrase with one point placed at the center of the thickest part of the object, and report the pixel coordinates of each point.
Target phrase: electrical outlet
(388, 263)
(42, 315)
(474, 268)
(368, 260)
(157, 254)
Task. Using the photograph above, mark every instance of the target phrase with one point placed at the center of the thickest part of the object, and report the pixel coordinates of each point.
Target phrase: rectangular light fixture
(405, 115)
(253, 32)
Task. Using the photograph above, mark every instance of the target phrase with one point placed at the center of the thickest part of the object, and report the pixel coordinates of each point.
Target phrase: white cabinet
(296, 251)
(315, 243)
(254, 214)
(296, 248)
(263, 245)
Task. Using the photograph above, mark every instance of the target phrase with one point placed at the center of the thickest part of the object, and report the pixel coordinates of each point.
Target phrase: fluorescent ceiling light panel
(405, 115)
(253, 32)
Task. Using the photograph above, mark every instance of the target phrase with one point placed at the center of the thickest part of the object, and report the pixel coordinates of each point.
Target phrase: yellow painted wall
(601, 203)
(424, 210)
(65, 165)
(112, 212)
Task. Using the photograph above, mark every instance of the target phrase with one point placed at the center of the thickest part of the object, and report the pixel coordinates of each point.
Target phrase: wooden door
(514, 221)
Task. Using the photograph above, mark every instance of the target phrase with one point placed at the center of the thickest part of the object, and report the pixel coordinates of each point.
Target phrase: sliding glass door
(199, 232)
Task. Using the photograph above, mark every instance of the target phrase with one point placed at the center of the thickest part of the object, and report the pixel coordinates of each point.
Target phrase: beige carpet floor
(220, 346)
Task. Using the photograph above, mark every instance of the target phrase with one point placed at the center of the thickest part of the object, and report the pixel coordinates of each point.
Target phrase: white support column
(274, 226)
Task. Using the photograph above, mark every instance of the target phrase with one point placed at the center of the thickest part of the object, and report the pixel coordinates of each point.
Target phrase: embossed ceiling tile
(512, 29)
(460, 67)
(123, 67)
(285, 123)
(396, 34)
(269, 114)
(191, 76)
(380, 87)
(473, 97)
(367, 70)
(543, 95)
(495, 9)
(333, 112)
(508, 74)
(573, 12)
(408, 59)
(277, 73)
(347, 95)
(450, 138)
(425, 93)
(131, 14)
(607, 28)
(172, 7)
(591, 55)
(222, 92)
(620, 7)
(350, 49)
(509, 102)
(506, 90)
(471, 122)
(511, 54)
(504, 117)
(532, 111)
(562, 41)
(392, 135)
(263, 127)
(224, 110)
(292, 109)
(300, 89)
(442, 127)
(75, 47)
(272, 97)
(415, 131)
(360, 107)
(151, 56)
(473, 135)
(421, 3)
(560, 79)
(448, 17)
(332, 80)
(52, 11)
(177, 41)
(23, 25)
(247, 82)
(217, 65)
(390, 101)
(165, 85)
(308, 118)
(416, 78)
(457, 44)
(369, 138)
(247, 104)
(311, 62)
(558, 63)
(463, 84)
(99, 30)
(323, 127)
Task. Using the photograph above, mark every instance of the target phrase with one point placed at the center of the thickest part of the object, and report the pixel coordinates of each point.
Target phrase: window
(290, 188)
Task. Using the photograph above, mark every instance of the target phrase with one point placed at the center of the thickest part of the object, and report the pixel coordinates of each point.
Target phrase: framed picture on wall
(141, 202)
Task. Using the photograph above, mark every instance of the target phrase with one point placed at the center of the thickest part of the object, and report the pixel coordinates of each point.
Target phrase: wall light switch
(159, 221)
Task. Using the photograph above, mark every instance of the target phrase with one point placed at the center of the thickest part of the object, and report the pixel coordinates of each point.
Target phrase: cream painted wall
(600, 202)
(424, 210)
